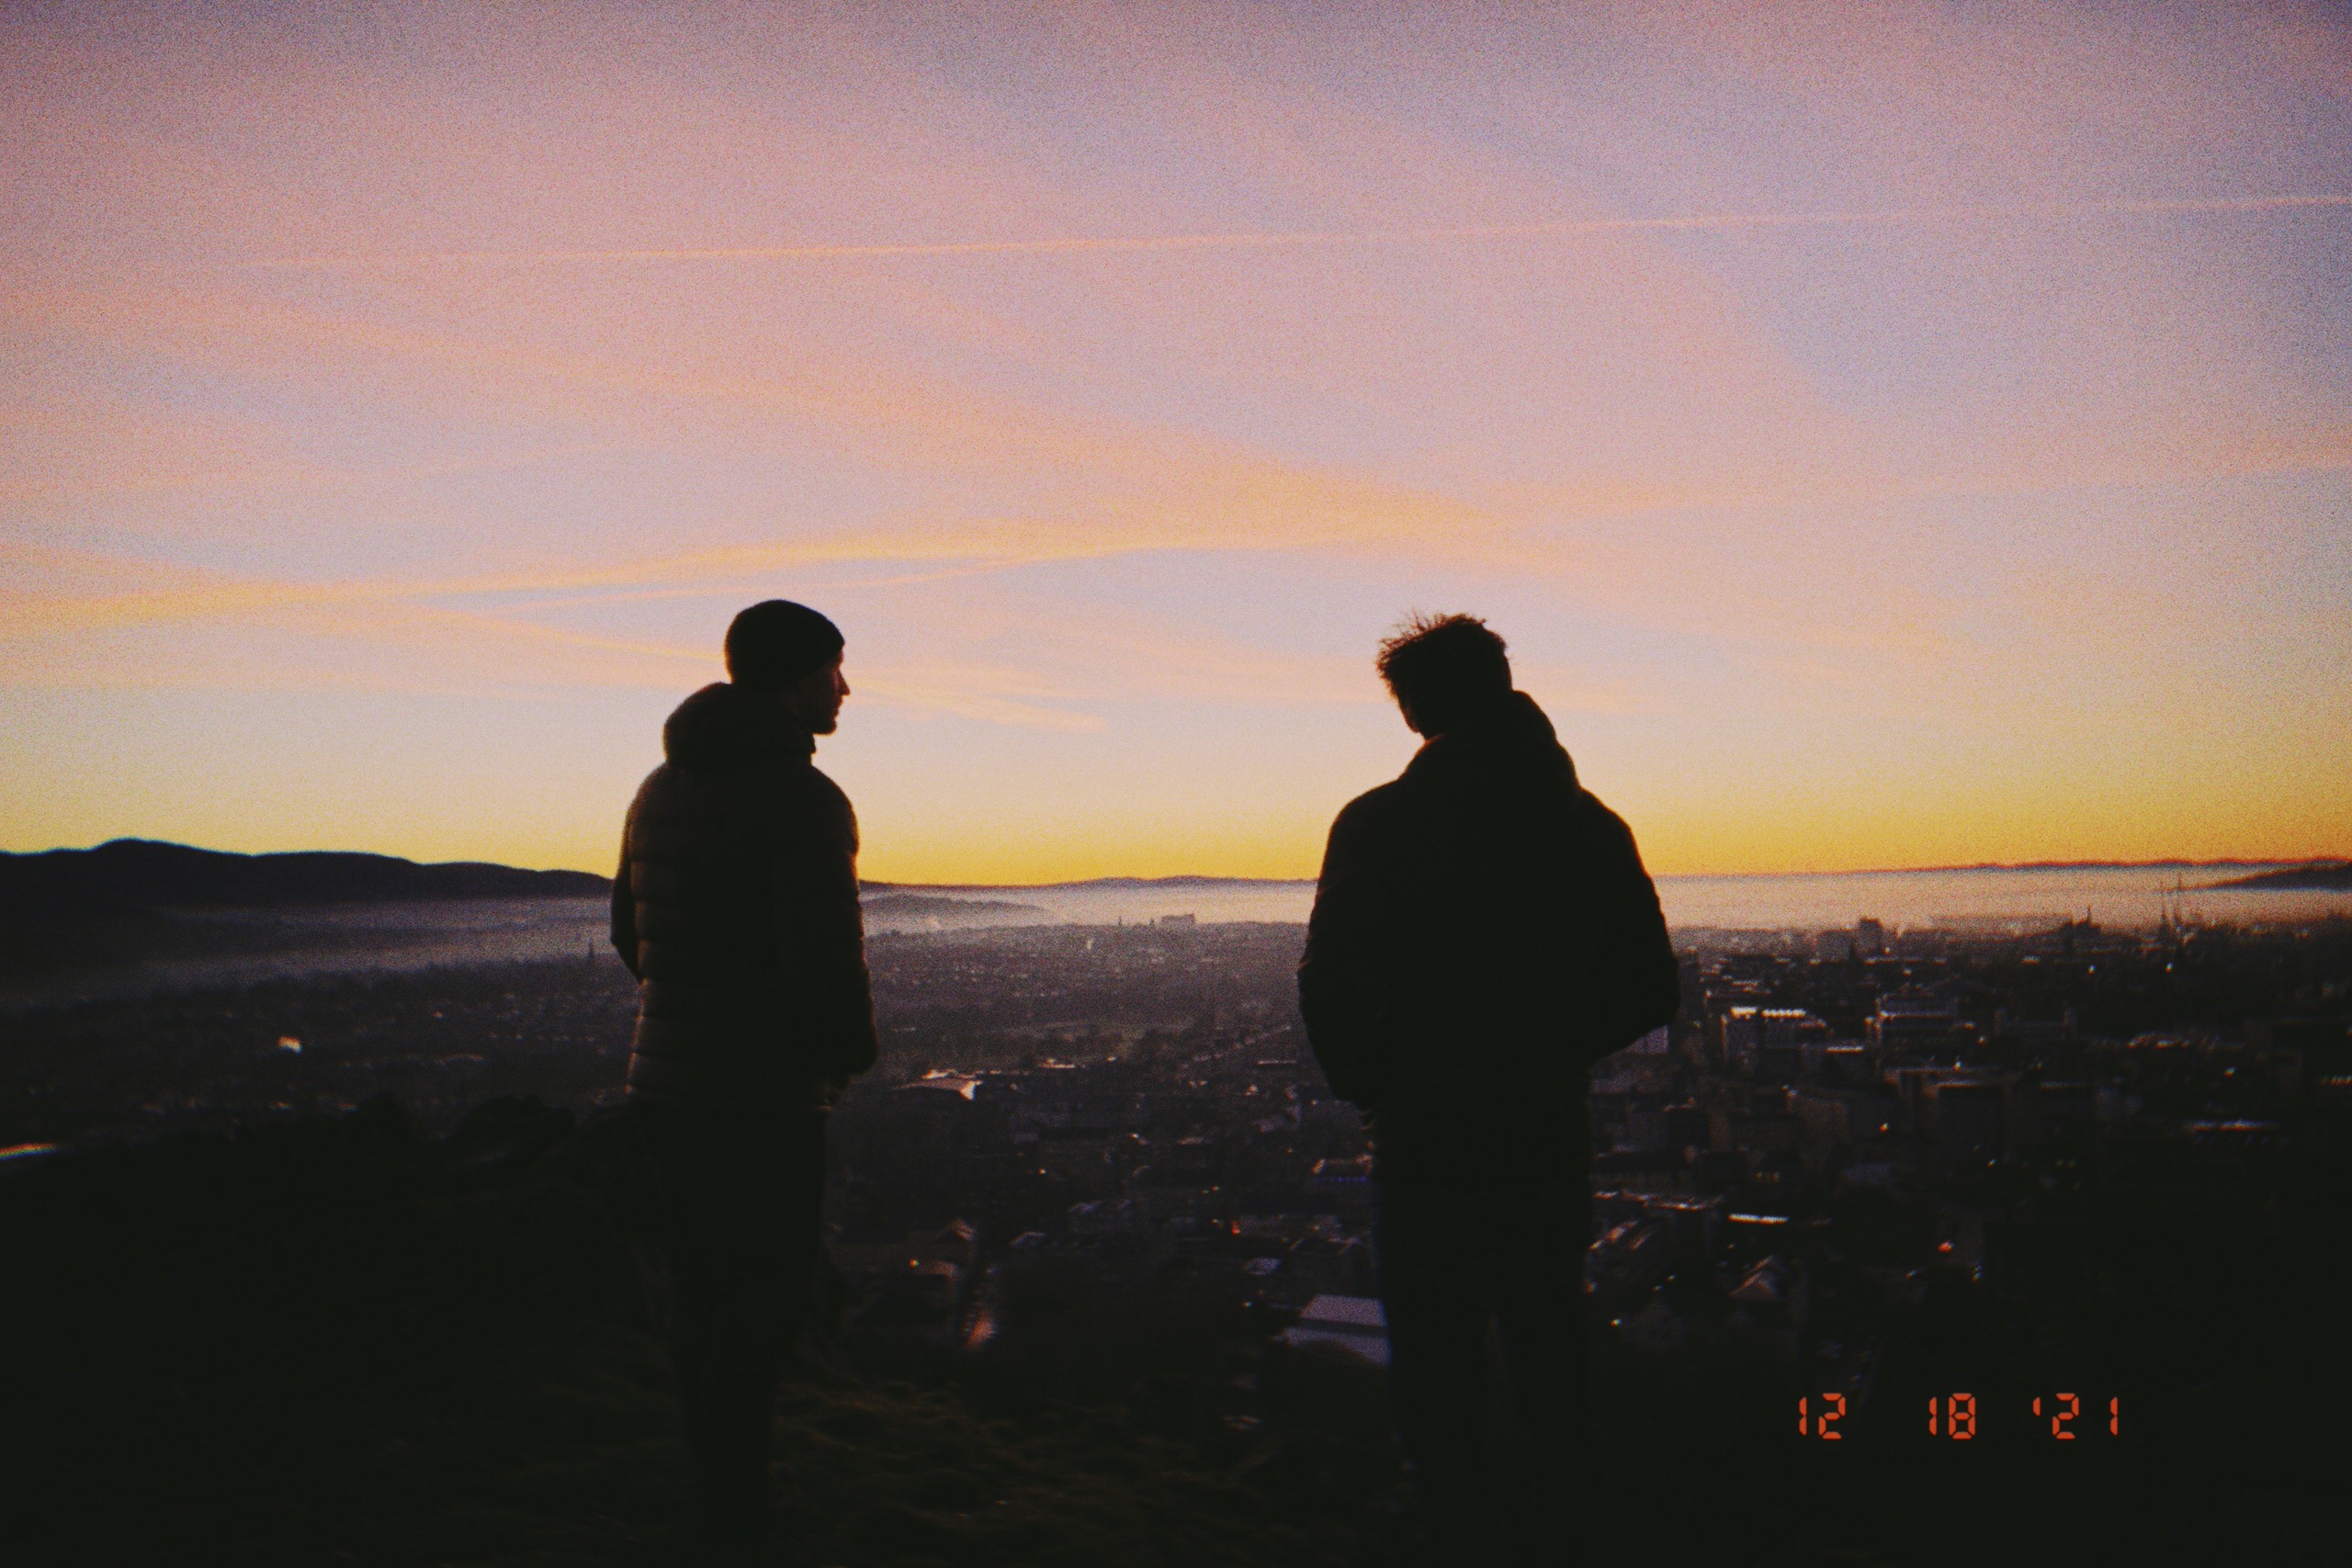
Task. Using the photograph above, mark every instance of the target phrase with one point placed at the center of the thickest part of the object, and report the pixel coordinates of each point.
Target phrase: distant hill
(2324, 876)
(132, 877)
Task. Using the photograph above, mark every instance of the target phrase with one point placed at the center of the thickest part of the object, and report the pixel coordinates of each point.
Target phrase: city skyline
(1886, 438)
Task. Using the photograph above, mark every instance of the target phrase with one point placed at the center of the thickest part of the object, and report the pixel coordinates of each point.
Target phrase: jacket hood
(1509, 736)
(724, 724)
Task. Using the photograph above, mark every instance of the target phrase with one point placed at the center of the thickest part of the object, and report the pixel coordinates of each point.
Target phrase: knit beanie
(775, 643)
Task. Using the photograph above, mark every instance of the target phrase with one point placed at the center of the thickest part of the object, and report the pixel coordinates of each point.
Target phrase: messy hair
(1443, 667)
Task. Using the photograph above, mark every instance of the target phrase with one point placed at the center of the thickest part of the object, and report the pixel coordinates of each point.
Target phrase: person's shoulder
(820, 788)
(1378, 799)
(1603, 838)
(1595, 813)
(824, 806)
(659, 781)
(1375, 806)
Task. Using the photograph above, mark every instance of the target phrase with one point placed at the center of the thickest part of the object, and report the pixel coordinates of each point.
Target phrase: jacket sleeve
(1637, 983)
(823, 934)
(1344, 976)
(625, 899)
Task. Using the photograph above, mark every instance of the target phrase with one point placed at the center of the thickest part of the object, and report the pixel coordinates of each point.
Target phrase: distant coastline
(2285, 868)
(2316, 877)
(1137, 883)
(128, 875)
(2054, 865)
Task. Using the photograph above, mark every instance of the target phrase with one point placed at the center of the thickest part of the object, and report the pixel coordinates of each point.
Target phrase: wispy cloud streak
(1573, 228)
(189, 593)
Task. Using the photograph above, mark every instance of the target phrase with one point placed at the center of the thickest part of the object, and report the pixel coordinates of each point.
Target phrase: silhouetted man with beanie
(736, 908)
(1483, 930)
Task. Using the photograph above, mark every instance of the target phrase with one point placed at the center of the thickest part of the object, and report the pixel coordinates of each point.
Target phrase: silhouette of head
(1440, 669)
(794, 654)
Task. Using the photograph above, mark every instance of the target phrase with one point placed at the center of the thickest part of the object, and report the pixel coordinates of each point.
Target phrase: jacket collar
(1509, 735)
(724, 724)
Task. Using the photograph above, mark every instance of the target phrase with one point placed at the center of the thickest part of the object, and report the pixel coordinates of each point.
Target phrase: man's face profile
(815, 698)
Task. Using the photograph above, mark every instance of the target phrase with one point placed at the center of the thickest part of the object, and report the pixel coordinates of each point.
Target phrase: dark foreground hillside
(335, 1340)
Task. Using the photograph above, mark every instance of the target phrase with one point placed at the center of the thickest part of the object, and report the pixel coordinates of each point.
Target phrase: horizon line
(2222, 863)
(2209, 863)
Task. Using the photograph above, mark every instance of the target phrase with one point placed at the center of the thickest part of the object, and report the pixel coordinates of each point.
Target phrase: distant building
(1774, 1303)
(1343, 1187)
(1848, 1062)
(1688, 1223)
(1661, 1169)
(1319, 1265)
(1967, 1116)
(920, 1282)
(2046, 1114)
(1756, 1132)
(1686, 1125)
(1352, 1327)
(1628, 1260)
(1830, 1117)
(1656, 1328)
(2309, 1056)
(1875, 1175)
(1769, 1042)
(1106, 1217)
(2071, 938)
(963, 1085)
(2239, 1133)
(1647, 1124)
(1919, 1024)
(1330, 1118)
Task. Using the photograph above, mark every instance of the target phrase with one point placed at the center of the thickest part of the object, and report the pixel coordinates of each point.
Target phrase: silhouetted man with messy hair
(736, 908)
(1483, 930)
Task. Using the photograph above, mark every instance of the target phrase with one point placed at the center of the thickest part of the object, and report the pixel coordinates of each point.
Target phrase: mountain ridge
(129, 876)
(2310, 877)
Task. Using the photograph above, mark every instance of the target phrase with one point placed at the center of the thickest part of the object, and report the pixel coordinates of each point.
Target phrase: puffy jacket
(1483, 930)
(736, 908)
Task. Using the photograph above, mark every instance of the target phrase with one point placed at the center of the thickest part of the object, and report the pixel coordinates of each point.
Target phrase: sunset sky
(1886, 435)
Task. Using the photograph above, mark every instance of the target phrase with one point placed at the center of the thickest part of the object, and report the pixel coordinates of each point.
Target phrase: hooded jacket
(736, 908)
(1483, 930)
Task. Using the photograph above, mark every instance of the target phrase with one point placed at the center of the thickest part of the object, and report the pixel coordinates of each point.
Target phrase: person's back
(736, 908)
(739, 903)
(1483, 930)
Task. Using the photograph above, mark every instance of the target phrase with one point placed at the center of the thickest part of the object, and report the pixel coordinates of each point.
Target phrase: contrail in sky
(1560, 228)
